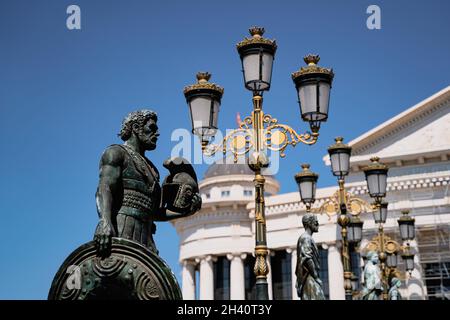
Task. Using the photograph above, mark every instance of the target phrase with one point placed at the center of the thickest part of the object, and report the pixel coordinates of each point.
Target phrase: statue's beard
(148, 142)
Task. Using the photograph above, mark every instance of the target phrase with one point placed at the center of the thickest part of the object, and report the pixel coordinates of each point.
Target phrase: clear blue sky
(63, 95)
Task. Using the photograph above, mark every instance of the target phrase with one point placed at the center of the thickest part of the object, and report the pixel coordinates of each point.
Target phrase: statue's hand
(103, 234)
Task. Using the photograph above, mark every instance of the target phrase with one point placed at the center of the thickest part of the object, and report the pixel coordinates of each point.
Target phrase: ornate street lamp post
(387, 248)
(260, 132)
(349, 208)
(343, 202)
(340, 166)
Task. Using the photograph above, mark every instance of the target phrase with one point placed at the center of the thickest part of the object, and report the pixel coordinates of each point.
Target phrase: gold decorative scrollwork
(355, 205)
(279, 136)
(238, 141)
(389, 245)
(275, 136)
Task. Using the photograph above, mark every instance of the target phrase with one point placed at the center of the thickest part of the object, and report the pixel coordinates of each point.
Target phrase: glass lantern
(203, 99)
(354, 230)
(406, 224)
(380, 213)
(340, 158)
(257, 55)
(313, 84)
(376, 178)
(307, 181)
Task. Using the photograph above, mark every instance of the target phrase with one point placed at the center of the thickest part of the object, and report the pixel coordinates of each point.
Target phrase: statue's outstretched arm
(109, 188)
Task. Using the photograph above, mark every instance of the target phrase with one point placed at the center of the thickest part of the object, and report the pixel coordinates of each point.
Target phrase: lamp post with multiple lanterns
(340, 167)
(260, 132)
(387, 248)
(343, 202)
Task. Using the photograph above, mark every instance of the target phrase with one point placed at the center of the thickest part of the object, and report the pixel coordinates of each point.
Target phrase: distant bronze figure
(309, 285)
(373, 287)
(122, 262)
(394, 293)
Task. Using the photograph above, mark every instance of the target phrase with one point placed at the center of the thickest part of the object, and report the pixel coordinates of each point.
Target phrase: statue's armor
(141, 199)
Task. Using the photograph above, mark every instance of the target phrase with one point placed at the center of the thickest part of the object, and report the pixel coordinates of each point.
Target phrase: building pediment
(416, 135)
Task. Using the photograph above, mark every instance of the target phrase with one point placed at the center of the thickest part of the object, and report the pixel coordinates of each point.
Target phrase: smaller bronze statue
(309, 285)
(394, 293)
(373, 287)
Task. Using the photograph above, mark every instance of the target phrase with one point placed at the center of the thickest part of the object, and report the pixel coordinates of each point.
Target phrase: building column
(293, 253)
(206, 278)
(188, 278)
(269, 276)
(335, 273)
(237, 277)
(414, 282)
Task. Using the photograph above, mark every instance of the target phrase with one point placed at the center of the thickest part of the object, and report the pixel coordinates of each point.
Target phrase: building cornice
(290, 202)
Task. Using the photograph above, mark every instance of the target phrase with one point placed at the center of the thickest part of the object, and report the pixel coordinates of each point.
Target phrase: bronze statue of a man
(394, 293)
(309, 285)
(122, 262)
(129, 197)
(373, 285)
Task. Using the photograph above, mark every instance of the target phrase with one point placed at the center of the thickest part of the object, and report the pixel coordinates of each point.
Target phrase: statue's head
(372, 256)
(310, 221)
(395, 282)
(142, 124)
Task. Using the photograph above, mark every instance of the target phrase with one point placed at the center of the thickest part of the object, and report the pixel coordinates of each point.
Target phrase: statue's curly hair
(308, 219)
(139, 117)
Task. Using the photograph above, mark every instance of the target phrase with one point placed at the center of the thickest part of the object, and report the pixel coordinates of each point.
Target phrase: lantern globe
(257, 54)
(376, 178)
(313, 85)
(340, 157)
(307, 182)
(203, 99)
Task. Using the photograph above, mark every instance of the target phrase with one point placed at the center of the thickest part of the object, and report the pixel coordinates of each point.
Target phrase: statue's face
(374, 258)
(314, 225)
(148, 135)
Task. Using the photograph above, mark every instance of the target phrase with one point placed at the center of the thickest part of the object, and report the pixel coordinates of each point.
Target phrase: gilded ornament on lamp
(355, 205)
(202, 83)
(390, 246)
(276, 137)
(311, 60)
(257, 38)
(375, 165)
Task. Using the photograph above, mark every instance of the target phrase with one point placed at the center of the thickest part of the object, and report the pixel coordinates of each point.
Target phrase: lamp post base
(262, 290)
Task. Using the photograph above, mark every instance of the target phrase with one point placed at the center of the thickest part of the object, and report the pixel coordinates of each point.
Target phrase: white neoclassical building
(217, 244)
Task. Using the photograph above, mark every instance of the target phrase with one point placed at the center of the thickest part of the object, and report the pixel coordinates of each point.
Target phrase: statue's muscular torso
(136, 193)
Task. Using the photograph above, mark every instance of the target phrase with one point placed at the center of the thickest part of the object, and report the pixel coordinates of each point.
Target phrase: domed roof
(227, 166)
(223, 169)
